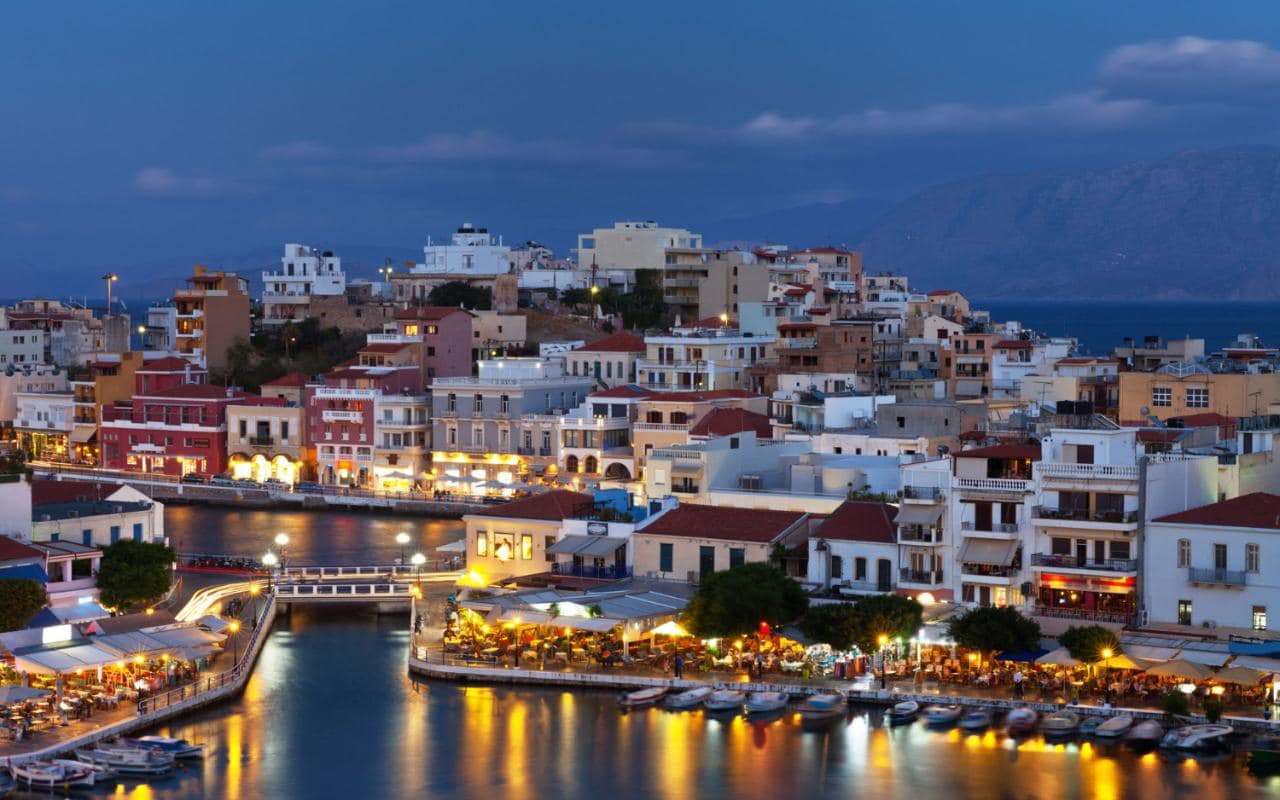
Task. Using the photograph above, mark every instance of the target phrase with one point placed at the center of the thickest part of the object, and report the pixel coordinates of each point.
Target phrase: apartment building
(44, 424)
(305, 274)
(93, 514)
(494, 334)
(437, 340)
(610, 361)
(699, 283)
(42, 378)
(854, 551)
(971, 367)
(705, 356)
(111, 379)
(1180, 389)
(472, 256)
(402, 437)
(341, 419)
(21, 348)
(267, 440)
(210, 314)
(1085, 379)
(632, 245)
(804, 346)
(516, 538)
(1154, 352)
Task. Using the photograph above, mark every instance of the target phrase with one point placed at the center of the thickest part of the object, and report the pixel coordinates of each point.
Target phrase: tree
(459, 293)
(134, 572)
(19, 602)
(734, 601)
(889, 615)
(1174, 704)
(994, 630)
(835, 624)
(1087, 642)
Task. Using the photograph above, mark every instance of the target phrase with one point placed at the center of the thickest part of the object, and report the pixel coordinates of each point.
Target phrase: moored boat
(1197, 737)
(939, 716)
(179, 748)
(903, 712)
(1021, 721)
(979, 719)
(48, 775)
(642, 698)
(1089, 725)
(128, 760)
(821, 709)
(725, 701)
(687, 699)
(760, 704)
(1114, 727)
(101, 772)
(1144, 735)
(1264, 755)
(1060, 724)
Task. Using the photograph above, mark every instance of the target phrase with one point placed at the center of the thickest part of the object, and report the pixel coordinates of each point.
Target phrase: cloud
(488, 146)
(303, 150)
(474, 146)
(163, 182)
(1193, 69)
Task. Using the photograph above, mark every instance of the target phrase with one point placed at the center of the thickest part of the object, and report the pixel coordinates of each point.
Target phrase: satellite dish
(1144, 411)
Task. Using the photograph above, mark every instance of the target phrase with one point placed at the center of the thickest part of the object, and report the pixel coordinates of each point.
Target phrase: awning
(918, 515)
(192, 653)
(81, 612)
(213, 623)
(596, 624)
(586, 546)
(1150, 652)
(995, 552)
(456, 546)
(1210, 658)
(83, 434)
(65, 659)
(1260, 663)
(1254, 648)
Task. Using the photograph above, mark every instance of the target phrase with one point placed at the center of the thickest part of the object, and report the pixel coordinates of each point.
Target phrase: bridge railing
(343, 591)
(366, 570)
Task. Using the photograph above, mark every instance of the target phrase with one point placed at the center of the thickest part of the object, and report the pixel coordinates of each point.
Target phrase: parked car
(222, 480)
(307, 486)
(194, 477)
(275, 483)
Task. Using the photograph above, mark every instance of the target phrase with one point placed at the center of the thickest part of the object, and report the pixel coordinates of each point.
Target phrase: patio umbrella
(1242, 676)
(1120, 661)
(1180, 668)
(1060, 657)
(16, 694)
(398, 476)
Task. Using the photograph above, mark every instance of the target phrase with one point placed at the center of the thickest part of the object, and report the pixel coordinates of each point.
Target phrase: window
(859, 569)
(1120, 551)
(526, 546)
(1161, 396)
(479, 404)
(737, 557)
(137, 531)
(1251, 557)
(837, 568)
(665, 556)
(1184, 552)
(53, 537)
(547, 541)
(482, 544)
(1184, 612)
(504, 404)
(1220, 556)
(86, 537)
(1198, 398)
(1061, 546)
(1259, 618)
(115, 533)
(453, 402)
(477, 436)
(706, 560)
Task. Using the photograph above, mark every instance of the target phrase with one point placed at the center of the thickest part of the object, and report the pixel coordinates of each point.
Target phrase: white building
(471, 252)
(305, 272)
(99, 517)
(855, 550)
(1205, 566)
(402, 440)
(43, 422)
(21, 348)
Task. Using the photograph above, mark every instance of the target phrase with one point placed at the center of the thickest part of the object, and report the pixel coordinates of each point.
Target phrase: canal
(331, 712)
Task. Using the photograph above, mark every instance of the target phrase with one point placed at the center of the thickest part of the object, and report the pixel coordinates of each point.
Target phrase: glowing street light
(418, 560)
(234, 627)
(110, 278)
(269, 561)
(402, 539)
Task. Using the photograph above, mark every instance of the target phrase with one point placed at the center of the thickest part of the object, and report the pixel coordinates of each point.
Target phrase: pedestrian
(679, 664)
(1017, 684)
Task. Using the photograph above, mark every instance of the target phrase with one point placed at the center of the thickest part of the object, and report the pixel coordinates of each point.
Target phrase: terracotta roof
(11, 550)
(720, 522)
(861, 521)
(430, 312)
(1031, 451)
(1159, 434)
(819, 309)
(705, 322)
(797, 291)
(617, 343)
(632, 390)
(728, 421)
(1014, 344)
(167, 364)
(1205, 420)
(557, 504)
(46, 491)
(1257, 510)
(1086, 360)
(940, 292)
(797, 326)
(197, 391)
(290, 379)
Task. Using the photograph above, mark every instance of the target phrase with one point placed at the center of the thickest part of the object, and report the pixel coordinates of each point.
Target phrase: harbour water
(331, 712)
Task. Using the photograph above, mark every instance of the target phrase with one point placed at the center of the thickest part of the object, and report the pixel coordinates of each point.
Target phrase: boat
(1264, 754)
(978, 719)
(1144, 735)
(903, 712)
(128, 760)
(760, 704)
(942, 715)
(821, 709)
(1115, 727)
(688, 699)
(642, 698)
(179, 748)
(1060, 723)
(47, 775)
(101, 772)
(1089, 725)
(1021, 721)
(727, 700)
(1197, 737)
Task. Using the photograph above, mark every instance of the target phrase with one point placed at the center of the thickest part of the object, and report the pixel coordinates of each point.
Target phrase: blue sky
(143, 138)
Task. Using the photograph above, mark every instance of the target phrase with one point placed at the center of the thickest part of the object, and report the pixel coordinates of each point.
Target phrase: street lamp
(883, 640)
(234, 627)
(402, 539)
(418, 560)
(282, 542)
(1106, 658)
(110, 278)
(270, 561)
(254, 591)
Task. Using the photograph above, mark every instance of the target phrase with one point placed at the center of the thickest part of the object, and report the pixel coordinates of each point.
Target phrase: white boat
(101, 772)
(1061, 723)
(1197, 737)
(1114, 727)
(820, 709)
(1022, 721)
(642, 698)
(47, 775)
(1144, 735)
(942, 715)
(179, 748)
(760, 704)
(689, 699)
(129, 760)
(976, 720)
(725, 700)
(903, 712)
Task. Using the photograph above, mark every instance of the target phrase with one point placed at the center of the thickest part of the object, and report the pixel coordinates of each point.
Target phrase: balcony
(1216, 577)
(607, 573)
(681, 283)
(988, 570)
(261, 441)
(392, 338)
(926, 577)
(996, 485)
(685, 488)
(1088, 472)
(1102, 520)
(996, 527)
(1084, 614)
(798, 344)
(928, 494)
(1055, 561)
(914, 534)
(337, 415)
(661, 427)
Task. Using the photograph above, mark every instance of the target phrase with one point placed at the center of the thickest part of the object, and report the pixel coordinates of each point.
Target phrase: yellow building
(690, 542)
(510, 540)
(1180, 390)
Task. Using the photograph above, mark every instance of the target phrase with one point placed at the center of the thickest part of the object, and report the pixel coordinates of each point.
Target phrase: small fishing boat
(725, 701)
(1021, 721)
(687, 699)
(1114, 727)
(903, 712)
(1264, 755)
(821, 709)
(1197, 737)
(1060, 724)
(101, 772)
(1144, 735)
(178, 748)
(642, 698)
(1089, 725)
(939, 716)
(762, 704)
(978, 719)
(47, 775)
(128, 760)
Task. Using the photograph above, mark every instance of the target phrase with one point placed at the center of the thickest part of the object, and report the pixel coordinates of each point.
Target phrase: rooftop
(290, 379)
(46, 492)
(1031, 451)
(1256, 510)
(728, 421)
(557, 504)
(617, 343)
(12, 550)
(861, 521)
(430, 312)
(719, 522)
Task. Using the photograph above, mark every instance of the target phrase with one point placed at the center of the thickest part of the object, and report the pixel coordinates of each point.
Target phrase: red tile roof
(554, 505)
(45, 491)
(797, 326)
(718, 522)
(705, 322)
(728, 421)
(797, 291)
(168, 364)
(11, 550)
(617, 343)
(290, 379)
(1031, 451)
(430, 312)
(861, 521)
(197, 391)
(1159, 434)
(940, 292)
(1257, 510)
(1014, 344)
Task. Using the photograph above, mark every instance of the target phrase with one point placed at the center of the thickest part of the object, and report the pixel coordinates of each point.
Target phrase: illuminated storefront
(260, 468)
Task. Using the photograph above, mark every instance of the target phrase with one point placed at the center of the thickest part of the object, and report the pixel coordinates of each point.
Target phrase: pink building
(341, 418)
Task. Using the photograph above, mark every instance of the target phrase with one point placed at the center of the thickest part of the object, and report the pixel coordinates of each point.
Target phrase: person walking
(1017, 684)
(679, 665)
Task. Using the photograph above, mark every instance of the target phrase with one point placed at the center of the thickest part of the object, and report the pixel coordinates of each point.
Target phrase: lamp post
(402, 539)
(270, 561)
(418, 560)
(884, 661)
(254, 591)
(1106, 666)
(110, 278)
(234, 627)
(282, 542)
(595, 290)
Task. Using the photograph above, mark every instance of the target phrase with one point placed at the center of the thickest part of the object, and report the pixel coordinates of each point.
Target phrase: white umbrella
(1060, 657)
(398, 476)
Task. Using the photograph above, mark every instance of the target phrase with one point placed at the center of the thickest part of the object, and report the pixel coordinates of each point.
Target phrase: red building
(340, 418)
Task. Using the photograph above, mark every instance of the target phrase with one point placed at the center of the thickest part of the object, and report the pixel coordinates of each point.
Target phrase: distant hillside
(1199, 224)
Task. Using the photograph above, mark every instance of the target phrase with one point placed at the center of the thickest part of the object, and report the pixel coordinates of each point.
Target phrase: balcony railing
(996, 527)
(1012, 485)
(685, 488)
(915, 534)
(610, 573)
(1123, 472)
(919, 492)
(1075, 562)
(1221, 577)
(660, 426)
(336, 415)
(988, 570)
(1083, 613)
(930, 577)
(262, 441)
(1084, 515)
